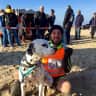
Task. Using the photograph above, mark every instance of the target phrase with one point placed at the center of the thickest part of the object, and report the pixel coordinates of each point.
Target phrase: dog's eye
(45, 45)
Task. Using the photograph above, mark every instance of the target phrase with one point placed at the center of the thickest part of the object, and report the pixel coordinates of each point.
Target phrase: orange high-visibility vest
(53, 63)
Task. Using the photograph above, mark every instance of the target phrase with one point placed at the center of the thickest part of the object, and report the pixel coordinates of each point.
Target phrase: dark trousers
(77, 33)
(67, 33)
(93, 30)
(40, 33)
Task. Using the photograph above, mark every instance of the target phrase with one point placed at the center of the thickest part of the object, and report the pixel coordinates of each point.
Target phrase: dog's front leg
(41, 89)
(22, 89)
(21, 84)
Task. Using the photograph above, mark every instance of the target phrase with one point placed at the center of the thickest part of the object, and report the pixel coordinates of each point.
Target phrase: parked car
(86, 26)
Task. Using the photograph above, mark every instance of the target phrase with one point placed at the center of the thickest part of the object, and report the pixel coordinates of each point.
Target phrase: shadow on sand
(82, 82)
(83, 40)
(11, 58)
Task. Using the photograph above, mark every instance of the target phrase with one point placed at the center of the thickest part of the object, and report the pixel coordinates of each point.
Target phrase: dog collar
(27, 72)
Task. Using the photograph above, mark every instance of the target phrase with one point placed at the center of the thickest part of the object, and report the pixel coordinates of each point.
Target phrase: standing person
(40, 21)
(50, 22)
(20, 30)
(11, 21)
(33, 31)
(78, 22)
(52, 18)
(67, 23)
(56, 35)
(3, 29)
(93, 25)
(23, 24)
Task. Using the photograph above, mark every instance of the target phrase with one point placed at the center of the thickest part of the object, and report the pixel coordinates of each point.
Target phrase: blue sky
(86, 6)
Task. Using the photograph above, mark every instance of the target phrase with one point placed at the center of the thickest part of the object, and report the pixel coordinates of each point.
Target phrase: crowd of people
(19, 27)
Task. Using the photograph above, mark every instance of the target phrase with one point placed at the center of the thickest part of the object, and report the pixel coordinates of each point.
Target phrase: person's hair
(69, 6)
(56, 27)
(8, 6)
(52, 10)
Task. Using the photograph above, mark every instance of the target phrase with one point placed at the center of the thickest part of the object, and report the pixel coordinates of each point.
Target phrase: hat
(56, 27)
(8, 9)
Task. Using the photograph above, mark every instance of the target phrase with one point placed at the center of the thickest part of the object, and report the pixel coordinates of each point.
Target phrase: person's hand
(64, 86)
(1, 34)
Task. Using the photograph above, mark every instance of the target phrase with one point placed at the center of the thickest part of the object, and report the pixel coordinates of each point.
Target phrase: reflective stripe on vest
(54, 72)
(53, 63)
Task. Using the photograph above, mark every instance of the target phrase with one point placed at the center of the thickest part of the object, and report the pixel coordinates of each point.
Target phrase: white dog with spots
(31, 67)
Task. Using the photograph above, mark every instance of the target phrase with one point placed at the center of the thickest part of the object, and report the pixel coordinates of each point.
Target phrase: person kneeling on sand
(60, 63)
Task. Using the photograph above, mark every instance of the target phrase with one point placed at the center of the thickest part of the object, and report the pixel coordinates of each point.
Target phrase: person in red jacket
(55, 64)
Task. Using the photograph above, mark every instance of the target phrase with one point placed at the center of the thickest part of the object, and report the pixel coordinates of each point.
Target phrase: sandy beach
(84, 55)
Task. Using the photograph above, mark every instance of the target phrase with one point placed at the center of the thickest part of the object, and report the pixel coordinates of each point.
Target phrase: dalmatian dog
(31, 67)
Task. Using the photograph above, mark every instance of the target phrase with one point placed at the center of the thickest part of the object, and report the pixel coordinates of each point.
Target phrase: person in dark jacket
(78, 23)
(27, 20)
(11, 21)
(67, 23)
(40, 21)
(3, 29)
(92, 24)
(52, 18)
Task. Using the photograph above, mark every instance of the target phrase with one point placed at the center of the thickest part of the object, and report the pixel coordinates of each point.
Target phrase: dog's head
(36, 50)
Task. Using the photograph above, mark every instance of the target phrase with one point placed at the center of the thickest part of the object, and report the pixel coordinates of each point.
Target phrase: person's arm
(82, 18)
(67, 60)
(90, 22)
(65, 19)
(68, 51)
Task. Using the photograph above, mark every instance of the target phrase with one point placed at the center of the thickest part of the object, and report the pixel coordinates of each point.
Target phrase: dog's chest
(38, 76)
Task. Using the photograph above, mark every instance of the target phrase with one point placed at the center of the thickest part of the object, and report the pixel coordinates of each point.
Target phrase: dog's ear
(30, 49)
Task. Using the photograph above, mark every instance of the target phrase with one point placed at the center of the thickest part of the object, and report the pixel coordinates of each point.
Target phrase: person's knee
(64, 86)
